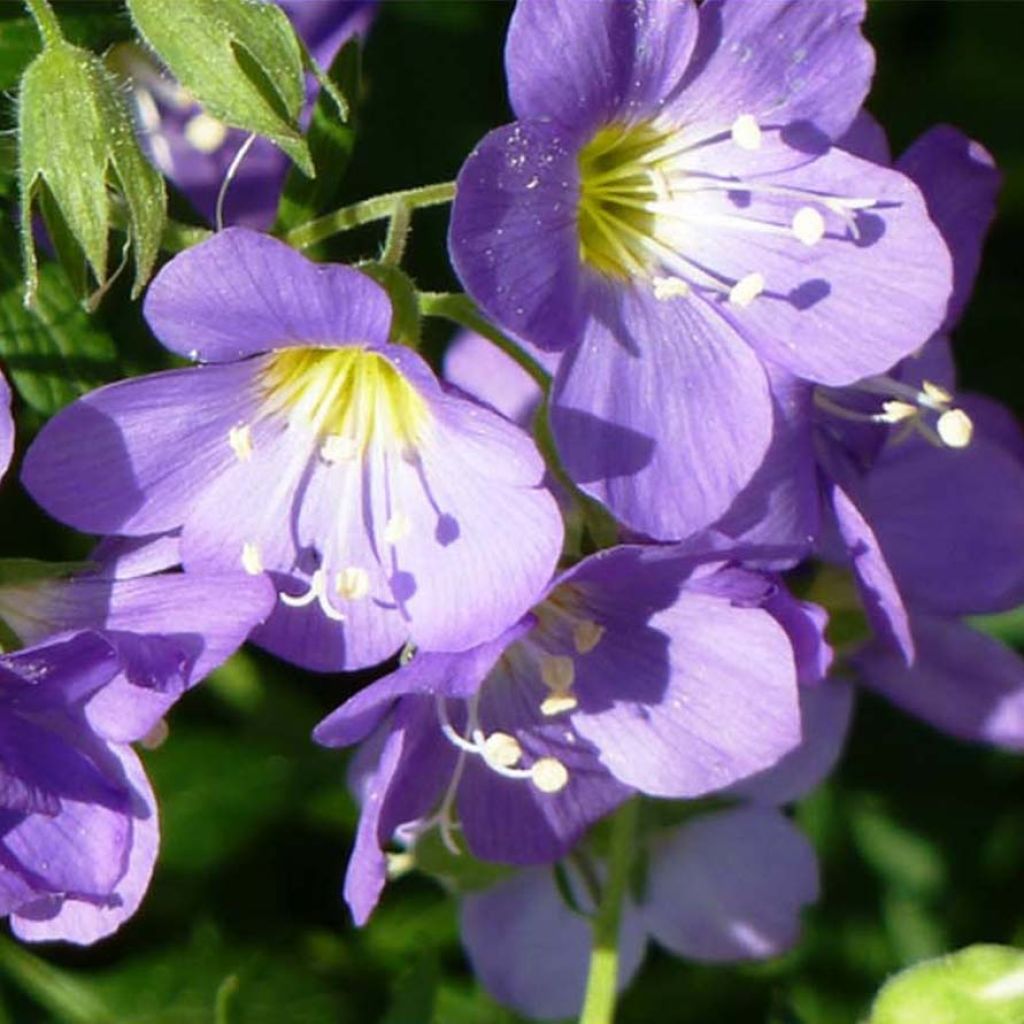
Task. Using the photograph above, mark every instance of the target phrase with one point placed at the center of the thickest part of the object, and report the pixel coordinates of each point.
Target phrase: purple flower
(728, 885)
(195, 150)
(640, 671)
(383, 505)
(668, 212)
(79, 818)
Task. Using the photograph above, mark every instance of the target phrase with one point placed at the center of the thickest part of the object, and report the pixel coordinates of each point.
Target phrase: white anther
(337, 448)
(397, 528)
(558, 704)
(808, 225)
(933, 395)
(205, 133)
(352, 583)
(666, 288)
(586, 635)
(896, 411)
(955, 428)
(746, 132)
(549, 775)
(240, 439)
(558, 673)
(252, 563)
(744, 291)
(500, 750)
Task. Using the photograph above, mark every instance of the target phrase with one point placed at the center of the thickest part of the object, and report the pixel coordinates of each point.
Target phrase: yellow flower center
(350, 397)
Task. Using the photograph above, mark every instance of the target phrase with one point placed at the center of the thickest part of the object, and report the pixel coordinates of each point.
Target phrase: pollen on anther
(746, 132)
(205, 133)
(744, 291)
(352, 583)
(666, 288)
(549, 775)
(558, 704)
(897, 411)
(240, 439)
(934, 394)
(955, 428)
(502, 750)
(586, 635)
(397, 528)
(251, 560)
(808, 225)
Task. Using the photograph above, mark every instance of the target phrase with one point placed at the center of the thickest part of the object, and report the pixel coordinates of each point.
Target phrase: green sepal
(331, 139)
(76, 140)
(461, 871)
(405, 305)
(239, 58)
(54, 352)
(982, 984)
(16, 572)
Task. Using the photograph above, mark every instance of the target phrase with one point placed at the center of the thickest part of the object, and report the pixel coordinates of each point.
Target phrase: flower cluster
(735, 308)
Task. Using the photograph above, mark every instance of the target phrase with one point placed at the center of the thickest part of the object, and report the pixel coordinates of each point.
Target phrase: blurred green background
(921, 838)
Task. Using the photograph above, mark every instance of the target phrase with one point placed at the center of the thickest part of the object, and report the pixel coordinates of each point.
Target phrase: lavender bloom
(6, 426)
(725, 886)
(383, 505)
(195, 150)
(79, 818)
(639, 672)
(922, 493)
(668, 212)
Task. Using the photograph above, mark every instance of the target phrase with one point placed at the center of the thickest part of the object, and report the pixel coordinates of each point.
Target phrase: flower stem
(49, 27)
(367, 211)
(599, 1001)
(398, 235)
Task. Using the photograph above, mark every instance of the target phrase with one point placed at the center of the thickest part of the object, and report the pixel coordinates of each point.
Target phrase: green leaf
(978, 985)
(239, 58)
(77, 138)
(54, 352)
(331, 140)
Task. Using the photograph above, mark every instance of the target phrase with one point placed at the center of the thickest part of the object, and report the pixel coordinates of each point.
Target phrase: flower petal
(242, 292)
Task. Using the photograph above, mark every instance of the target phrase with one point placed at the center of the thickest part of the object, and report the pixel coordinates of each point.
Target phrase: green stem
(49, 27)
(398, 235)
(599, 1002)
(367, 211)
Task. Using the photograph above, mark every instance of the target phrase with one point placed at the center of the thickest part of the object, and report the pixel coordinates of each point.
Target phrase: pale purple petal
(963, 682)
(783, 63)
(128, 557)
(241, 292)
(730, 886)
(960, 183)
(6, 426)
(478, 367)
(879, 591)
(866, 138)
(531, 951)
(82, 922)
(666, 460)
(588, 64)
(825, 712)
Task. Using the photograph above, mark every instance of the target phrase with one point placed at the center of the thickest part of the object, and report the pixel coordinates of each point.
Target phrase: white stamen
(558, 704)
(352, 583)
(808, 225)
(558, 673)
(317, 592)
(896, 411)
(586, 635)
(955, 428)
(744, 292)
(240, 439)
(549, 775)
(934, 396)
(666, 288)
(746, 132)
(501, 750)
(252, 563)
(337, 448)
(205, 133)
(397, 528)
